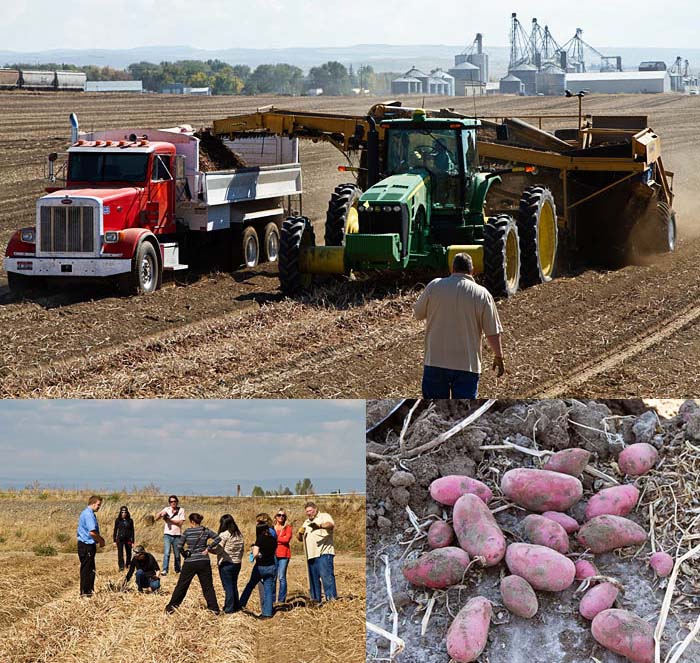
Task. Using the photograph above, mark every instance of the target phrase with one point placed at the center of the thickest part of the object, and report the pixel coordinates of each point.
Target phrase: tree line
(334, 78)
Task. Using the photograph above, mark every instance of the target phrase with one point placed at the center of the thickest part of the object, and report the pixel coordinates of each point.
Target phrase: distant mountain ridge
(383, 57)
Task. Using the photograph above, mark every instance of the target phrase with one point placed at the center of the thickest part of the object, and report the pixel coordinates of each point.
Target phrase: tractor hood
(396, 189)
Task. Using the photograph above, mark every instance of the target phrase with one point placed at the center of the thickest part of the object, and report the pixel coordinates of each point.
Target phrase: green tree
(332, 77)
(304, 487)
(258, 492)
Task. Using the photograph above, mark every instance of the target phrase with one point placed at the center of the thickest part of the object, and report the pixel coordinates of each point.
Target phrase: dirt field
(399, 473)
(603, 334)
(42, 617)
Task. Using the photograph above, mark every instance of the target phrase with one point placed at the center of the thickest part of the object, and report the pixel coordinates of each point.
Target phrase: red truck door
(160, 212)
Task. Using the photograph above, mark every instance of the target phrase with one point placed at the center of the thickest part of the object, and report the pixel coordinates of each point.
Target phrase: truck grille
(67, 229)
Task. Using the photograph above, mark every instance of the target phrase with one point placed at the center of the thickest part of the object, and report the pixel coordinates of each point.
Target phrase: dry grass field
(595, 333)
(43, 619)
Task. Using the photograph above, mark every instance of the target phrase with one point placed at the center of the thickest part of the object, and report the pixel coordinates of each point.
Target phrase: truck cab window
(161, 168)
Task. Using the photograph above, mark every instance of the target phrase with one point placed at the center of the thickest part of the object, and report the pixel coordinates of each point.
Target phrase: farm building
(114, 86)
(410, 83)
(616, 82)
(179, 88)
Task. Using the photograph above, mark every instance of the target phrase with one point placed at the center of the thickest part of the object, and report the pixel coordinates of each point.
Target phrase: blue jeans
(267, 575)
(447, 383)
(228, 573)
(321, 571)
(282, 563)
(170, 542)
(144, 582)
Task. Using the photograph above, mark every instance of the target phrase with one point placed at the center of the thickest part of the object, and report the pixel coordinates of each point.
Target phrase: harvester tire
(501, 256)
(271, 242)
(297, 232)
(145, 275)
(537, 230)
(342, 209)
(665, 235)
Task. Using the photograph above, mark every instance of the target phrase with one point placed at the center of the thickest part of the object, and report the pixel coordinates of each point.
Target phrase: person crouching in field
(229, 556)
(283, 553)
(196, 564)
(88, 540)
(123, 536)
(147, 570)
(264, 555)
(317, 535)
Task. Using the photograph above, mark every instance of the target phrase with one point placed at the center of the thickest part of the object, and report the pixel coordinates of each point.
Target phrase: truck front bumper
(33, 266)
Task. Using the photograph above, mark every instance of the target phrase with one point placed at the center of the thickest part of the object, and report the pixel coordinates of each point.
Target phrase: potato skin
(468, 633)
(598, 598)
(541, 490)
(569, 524)
(542, 567)
(438, 568)
(606, 533)
(615, 501)
(569, 461)
(622, 632)
(546, 532)
(519, 597)
(447, 490)
(440, 535)
(477, 530)
(584, 569)
(637, 459)
(662, 563)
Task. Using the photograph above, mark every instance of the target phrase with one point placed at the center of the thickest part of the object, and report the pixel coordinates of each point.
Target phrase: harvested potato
(519, 597)
(585, 569)
(541, 490)
(569, 524)
(569, 461)
(606, 533)
(438, 568)
(542, 567)
(467, 635)
(546, 532)
(440, 534)
(615, 501)
(662, 563)
(598, 598)
(447, 490)
(622, 632)
(477, 530)
(637, 459)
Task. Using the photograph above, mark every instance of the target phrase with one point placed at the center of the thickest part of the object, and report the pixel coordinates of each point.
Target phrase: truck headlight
(111, 237)
(28, 235)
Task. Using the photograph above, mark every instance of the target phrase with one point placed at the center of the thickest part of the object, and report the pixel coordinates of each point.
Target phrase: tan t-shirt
(319, 541)
(458, 313)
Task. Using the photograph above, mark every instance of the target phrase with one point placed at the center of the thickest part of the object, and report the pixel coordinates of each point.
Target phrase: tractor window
(470, 145)
(107, 167)
(161, 168)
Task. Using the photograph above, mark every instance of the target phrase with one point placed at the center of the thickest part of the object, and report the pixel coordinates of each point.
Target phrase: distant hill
(382, 57)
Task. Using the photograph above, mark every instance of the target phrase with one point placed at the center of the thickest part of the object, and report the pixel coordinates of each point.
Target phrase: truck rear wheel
(297, 233)
(145, 276)
(501, 256)
(341, 216)
(538, 234)
(271, 242)
(250, 247)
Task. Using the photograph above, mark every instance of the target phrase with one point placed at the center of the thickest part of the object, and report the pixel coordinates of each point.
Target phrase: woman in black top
(196, 564)
(264, 569)
(123, 536)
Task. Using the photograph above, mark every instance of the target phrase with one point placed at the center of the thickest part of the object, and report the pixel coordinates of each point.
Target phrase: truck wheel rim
(547, 239)
(251, 252)
(273, 247)
(512, 266)
(147, 272)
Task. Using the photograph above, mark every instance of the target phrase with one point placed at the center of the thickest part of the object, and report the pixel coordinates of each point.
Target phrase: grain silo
(551, 80)
(409, 83)
(511, 85)
(448, 80)
(480, 59)
(527, 73)
(467, 76)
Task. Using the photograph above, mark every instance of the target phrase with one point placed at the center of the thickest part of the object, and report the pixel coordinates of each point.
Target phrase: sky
(97, 443)
(31, 25)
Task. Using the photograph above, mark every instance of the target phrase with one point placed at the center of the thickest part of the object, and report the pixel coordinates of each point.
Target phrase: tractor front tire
(501, 256)
(297, 233)
(538, 233)
(341, 216)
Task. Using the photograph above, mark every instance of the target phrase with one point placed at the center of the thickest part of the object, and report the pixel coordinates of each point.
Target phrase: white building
(114, 86)
(620, 82)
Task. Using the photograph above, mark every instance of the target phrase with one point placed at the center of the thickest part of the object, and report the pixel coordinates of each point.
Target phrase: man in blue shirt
(88, 540)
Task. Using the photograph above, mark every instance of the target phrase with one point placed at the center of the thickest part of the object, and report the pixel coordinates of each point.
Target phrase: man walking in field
(458, 314)
(174, 516)
(88, 540)
(317, 535)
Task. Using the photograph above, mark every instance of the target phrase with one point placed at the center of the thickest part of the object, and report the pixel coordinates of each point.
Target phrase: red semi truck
(136, 203)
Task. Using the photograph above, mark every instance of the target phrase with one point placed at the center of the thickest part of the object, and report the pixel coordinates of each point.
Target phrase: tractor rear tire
(537, 229)
(341, 216)
(297, 232)
(271, 242)
(501, 256)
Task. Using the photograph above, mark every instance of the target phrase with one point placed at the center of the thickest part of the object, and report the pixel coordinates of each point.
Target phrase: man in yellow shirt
(458, 314)
(317, 536)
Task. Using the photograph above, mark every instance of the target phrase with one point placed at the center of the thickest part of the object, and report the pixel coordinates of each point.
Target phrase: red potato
(622, 632)
(519, 597)
(606, 533)
(542, 567)
(598, 598)
(569, 461)
(637, 459)
(437, 569)
(440, 535)
(662, 563)
(447, 490)
(584, 569)
(467, 635)
(615, 501)
(477, 530)
(541, 490)
(569, 524)
(546, 532)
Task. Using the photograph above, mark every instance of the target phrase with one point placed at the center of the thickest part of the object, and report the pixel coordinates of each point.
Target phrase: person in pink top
(174, 517)
(283, 553)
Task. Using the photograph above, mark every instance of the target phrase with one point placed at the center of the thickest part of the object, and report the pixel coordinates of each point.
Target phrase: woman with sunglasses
(123, 536)
(283, 552)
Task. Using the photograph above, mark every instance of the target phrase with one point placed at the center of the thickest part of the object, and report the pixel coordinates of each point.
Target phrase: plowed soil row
(232, 335)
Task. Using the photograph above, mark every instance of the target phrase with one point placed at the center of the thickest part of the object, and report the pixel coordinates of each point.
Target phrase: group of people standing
(190, 550)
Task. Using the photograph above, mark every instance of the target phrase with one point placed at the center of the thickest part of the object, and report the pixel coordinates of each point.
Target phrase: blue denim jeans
(447, 383)
(170, 542)
(266, 574)
(144, 582)
(228, 573)
(321, 571)
(282, 564)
